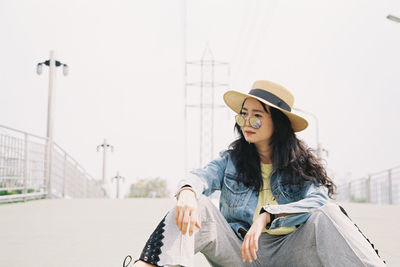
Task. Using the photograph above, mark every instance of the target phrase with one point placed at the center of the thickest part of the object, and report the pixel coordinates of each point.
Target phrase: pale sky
(339, 59)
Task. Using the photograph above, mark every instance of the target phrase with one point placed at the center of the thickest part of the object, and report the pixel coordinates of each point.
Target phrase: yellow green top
(265, 197)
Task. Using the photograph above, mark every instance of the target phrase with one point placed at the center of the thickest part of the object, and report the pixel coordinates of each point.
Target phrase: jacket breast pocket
(234, 193)
(292, 192)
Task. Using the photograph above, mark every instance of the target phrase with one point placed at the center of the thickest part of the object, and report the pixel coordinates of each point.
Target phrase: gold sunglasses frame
(254, 121)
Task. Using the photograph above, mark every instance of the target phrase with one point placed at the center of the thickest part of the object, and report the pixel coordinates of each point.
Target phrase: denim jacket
(238, 202)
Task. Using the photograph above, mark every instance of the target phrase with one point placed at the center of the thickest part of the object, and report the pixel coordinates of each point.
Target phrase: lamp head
(393, 18)
(65, 69)
(39, 68)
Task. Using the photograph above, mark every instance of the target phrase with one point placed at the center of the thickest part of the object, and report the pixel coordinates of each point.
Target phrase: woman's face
(253, 108)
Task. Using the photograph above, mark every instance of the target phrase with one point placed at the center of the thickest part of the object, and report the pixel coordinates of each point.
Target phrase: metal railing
(24, 168)
(381, 188)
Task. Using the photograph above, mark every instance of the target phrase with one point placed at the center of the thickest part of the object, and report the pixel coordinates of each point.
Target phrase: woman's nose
(247, 121)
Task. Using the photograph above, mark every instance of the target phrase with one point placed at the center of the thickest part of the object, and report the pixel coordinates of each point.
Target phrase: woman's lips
(249, 132)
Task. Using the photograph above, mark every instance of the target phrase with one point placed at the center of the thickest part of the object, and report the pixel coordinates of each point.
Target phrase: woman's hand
(186, 212)
(250, 243)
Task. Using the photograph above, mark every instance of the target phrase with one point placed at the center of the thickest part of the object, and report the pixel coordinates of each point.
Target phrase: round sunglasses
(254, 121)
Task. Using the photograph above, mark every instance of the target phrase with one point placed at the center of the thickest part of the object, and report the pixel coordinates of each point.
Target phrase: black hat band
(273, 99)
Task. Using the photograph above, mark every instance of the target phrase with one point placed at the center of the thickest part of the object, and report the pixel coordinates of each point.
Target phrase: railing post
(49, 156)
(89, 187)
(45, 169)
(368, 189)
(86, 185)
(390, 186)
(76, 178)
(25, 165)
(349, 192)
(65, 176)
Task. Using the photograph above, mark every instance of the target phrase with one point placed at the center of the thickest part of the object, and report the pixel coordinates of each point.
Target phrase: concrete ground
(101, 232)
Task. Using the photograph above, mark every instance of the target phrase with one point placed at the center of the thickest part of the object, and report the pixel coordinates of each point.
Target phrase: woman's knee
(207, 209)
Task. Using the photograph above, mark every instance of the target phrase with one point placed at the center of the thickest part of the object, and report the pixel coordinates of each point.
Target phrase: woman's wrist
(263, 219)
(265, 211)
(184, 188)
(271, 216)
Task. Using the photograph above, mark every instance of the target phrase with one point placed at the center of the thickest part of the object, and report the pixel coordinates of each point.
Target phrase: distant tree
(154, 188)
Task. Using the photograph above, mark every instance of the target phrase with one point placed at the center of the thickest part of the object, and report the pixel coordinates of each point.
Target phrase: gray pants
(328, 238)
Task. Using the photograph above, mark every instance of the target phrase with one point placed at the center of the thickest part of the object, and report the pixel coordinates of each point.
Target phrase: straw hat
(271, 94)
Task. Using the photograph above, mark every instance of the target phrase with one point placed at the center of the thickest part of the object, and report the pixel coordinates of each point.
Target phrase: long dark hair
(289, 155)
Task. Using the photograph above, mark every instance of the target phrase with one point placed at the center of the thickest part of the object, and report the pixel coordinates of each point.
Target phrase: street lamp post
(52, 64)
(118, 177)
(105, 145)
